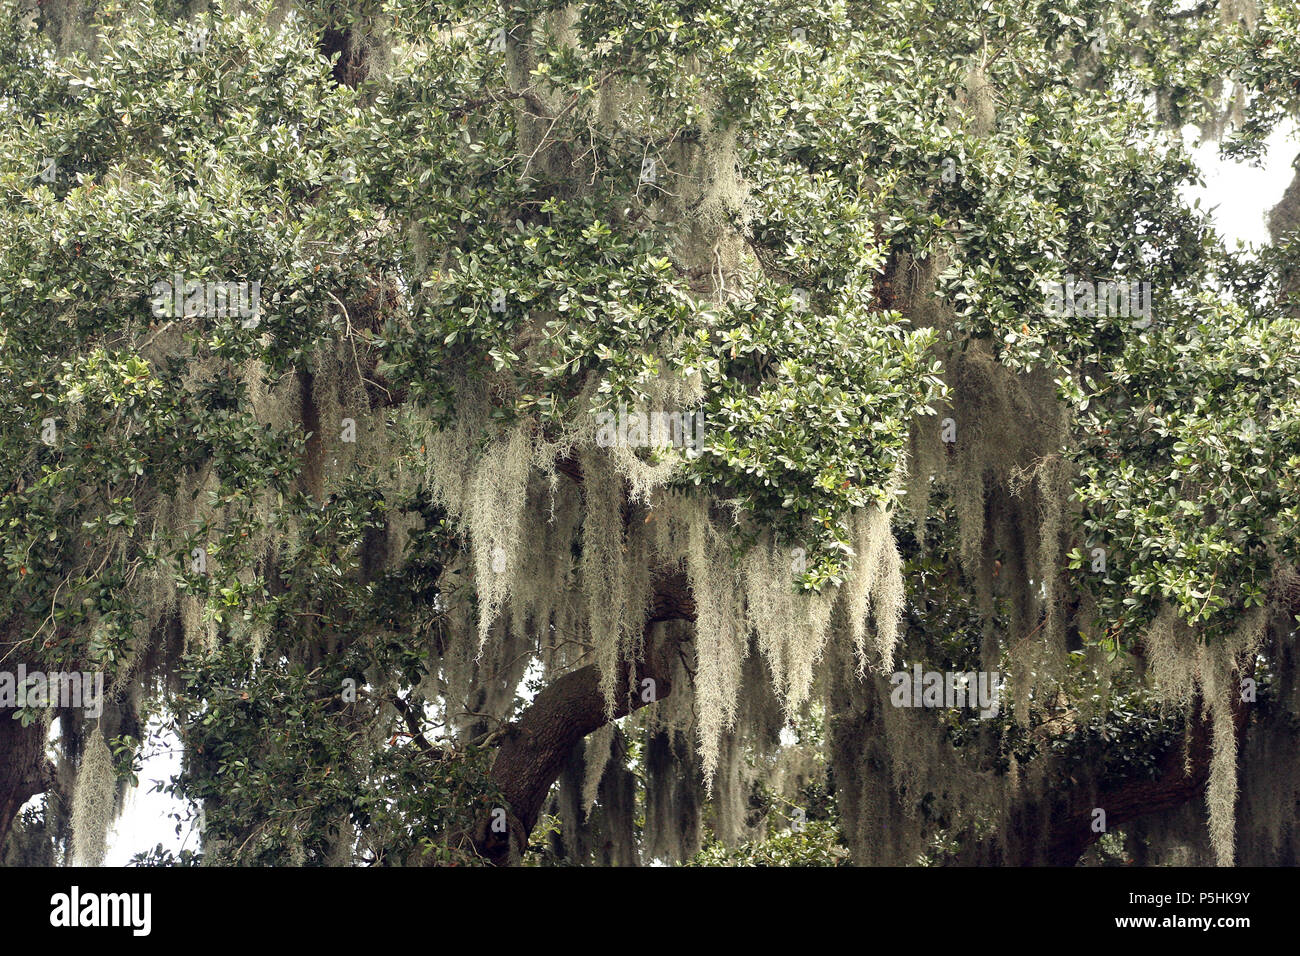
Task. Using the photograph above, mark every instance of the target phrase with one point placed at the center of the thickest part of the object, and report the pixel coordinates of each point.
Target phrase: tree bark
(1070, 812)
(532, 753)
(25, 771)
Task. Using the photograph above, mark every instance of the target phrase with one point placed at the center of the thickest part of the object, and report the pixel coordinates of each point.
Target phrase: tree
(559, 432)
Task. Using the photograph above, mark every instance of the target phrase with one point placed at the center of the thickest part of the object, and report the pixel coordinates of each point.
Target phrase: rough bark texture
(533, 752)
(24, 769)
(1068, 812)
(350, 68)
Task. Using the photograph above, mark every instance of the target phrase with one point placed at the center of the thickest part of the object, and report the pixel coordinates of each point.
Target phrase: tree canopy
(563, 433)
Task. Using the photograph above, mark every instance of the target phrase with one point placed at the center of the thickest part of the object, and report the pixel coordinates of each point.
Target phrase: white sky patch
(146, 819)
(1239, 195)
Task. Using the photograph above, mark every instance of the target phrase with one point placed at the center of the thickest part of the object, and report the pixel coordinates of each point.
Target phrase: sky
(1239, 195)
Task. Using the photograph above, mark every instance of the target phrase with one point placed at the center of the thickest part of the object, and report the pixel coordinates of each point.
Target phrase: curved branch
(25, 771)
(533, 751)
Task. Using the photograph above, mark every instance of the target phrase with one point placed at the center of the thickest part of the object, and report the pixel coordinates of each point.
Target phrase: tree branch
(534, 748)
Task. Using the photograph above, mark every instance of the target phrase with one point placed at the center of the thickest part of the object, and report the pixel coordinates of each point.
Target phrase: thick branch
(533, 751)
(1179, 778)
(24, 769)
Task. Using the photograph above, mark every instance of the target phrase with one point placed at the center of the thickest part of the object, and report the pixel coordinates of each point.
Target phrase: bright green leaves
(541, 306)
(1187, 454)
(808, 415)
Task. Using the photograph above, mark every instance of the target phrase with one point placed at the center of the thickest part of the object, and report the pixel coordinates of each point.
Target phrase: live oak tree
(373, 554)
